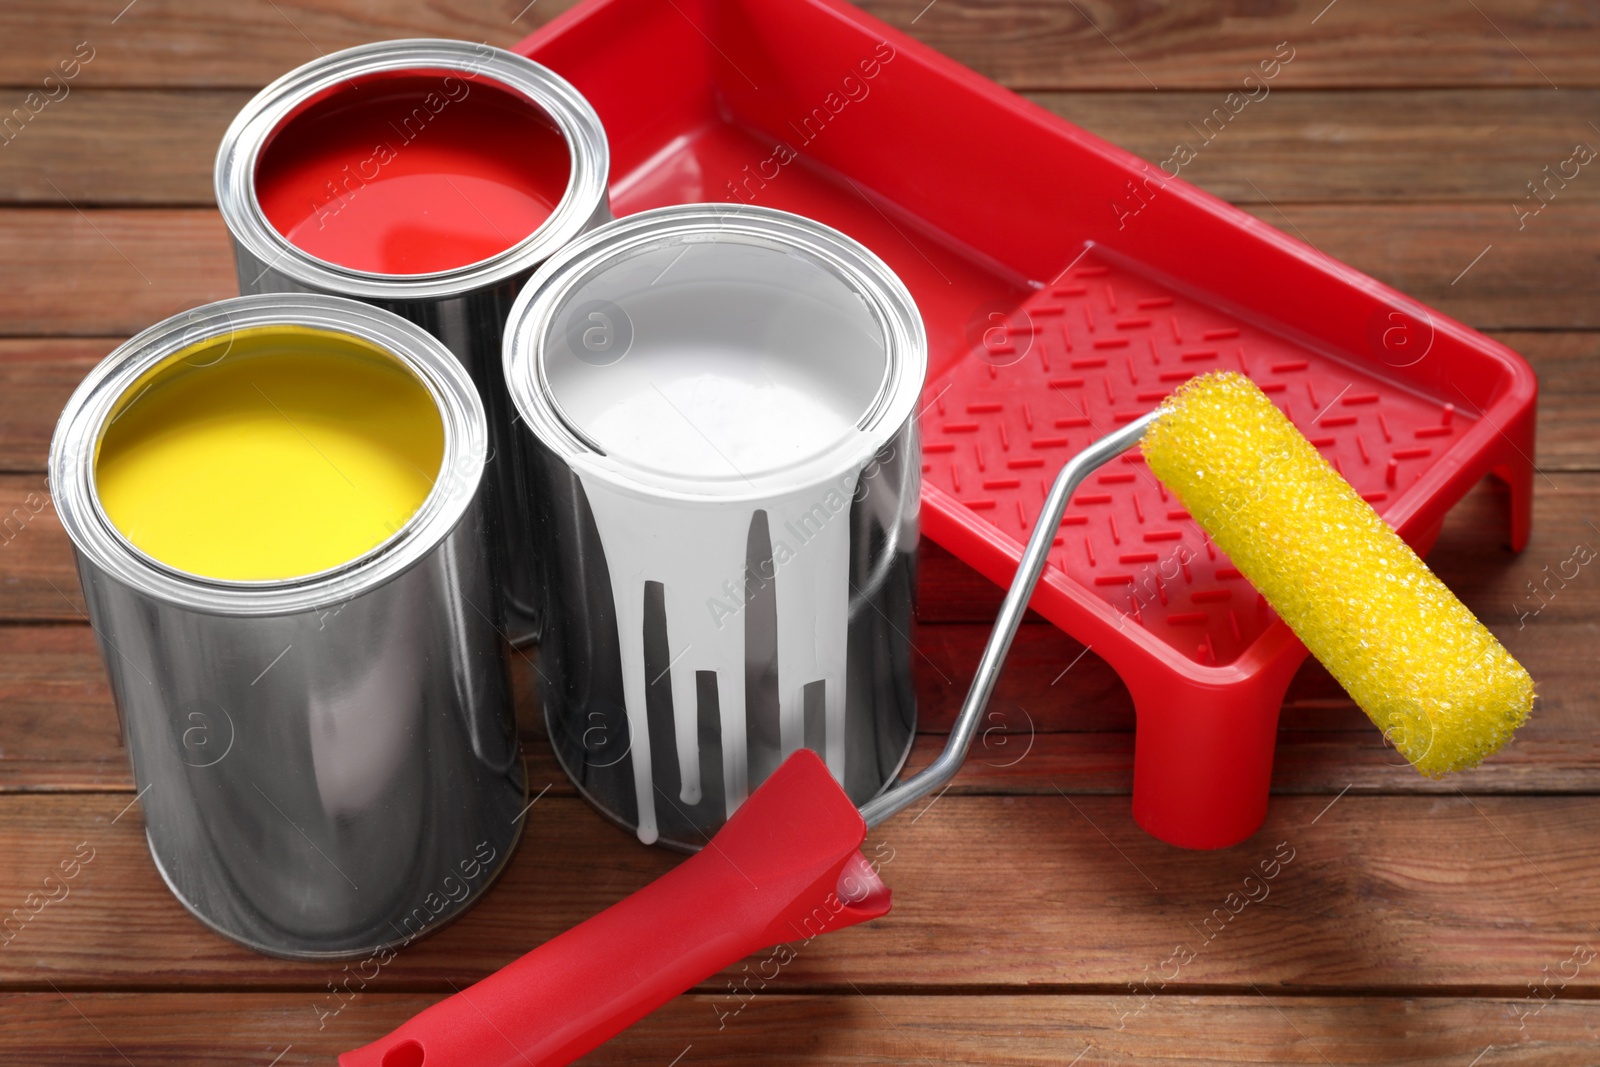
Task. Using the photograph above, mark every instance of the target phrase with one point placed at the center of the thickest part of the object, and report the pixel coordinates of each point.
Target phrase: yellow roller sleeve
(1428, 673)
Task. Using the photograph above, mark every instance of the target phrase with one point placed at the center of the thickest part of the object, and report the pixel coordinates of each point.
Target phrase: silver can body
(326, 766)
(465, 308)
(706, 622)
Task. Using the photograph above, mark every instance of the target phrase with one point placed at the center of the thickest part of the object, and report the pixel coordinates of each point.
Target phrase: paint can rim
(863, 273)
(74, 450)
(242, 144)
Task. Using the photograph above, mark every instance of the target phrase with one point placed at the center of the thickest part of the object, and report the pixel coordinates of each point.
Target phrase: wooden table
(1408, 921)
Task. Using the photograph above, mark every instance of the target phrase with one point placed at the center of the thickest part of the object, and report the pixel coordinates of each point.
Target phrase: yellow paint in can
(270, 453)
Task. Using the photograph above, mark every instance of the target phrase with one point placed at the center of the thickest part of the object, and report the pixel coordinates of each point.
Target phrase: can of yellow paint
(429, 177)
(726, 475)
(276, 504)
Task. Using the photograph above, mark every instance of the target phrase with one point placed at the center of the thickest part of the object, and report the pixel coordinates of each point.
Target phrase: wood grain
(98, 147)
(1390, 895)
(1025, 44)
(1525, 279)
(1340, 145)
(37, 574)
(156, 147)
(64, 273)
(1048, 44)
(52, 1029)
(37, 375)
(1044, 731)
(1568, 365)
(189, 44)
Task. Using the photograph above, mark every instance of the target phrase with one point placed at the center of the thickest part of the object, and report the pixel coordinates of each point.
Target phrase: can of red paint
(428, 177)
(321, 728)
(725, 482)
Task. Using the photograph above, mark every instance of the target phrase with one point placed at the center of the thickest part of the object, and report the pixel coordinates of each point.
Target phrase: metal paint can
(725, 477)
(327, 764)
(412, 175)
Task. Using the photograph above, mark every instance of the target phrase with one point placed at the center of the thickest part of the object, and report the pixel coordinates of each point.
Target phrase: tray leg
(1202, 764)
(1517, 473)
(1513, 465)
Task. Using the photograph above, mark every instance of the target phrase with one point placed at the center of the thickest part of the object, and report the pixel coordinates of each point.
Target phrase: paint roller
(787, 866)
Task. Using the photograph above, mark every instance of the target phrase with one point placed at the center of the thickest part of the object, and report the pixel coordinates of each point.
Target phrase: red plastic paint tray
(1067, 286)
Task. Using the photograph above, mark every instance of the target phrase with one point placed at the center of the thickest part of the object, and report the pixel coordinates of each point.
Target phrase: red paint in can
(412, 172)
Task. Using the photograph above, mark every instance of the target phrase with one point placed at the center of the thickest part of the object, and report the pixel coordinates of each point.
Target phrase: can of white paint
(725, 476)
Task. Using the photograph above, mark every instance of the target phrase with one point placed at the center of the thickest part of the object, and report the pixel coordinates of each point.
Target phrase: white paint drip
(691, 551)
(811, 552)
(700, 424)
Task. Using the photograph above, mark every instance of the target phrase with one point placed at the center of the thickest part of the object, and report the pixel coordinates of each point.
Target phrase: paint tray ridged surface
(1067, 287)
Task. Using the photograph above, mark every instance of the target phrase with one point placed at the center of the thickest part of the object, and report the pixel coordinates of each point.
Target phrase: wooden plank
(1467, 260)
(1046, 44)
(123, 269)
(1547, 757)
(157, 146)
(59, 729)
(101, 147)
(1385, 894)
(1032, 44)
(1371, 146)
(1568, 366)
(37, 376)
(37, 573)
(69, 1028)
(68, 273)
(59, 732)
(189, 44)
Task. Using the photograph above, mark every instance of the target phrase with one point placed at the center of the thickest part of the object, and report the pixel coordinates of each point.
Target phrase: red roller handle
(786, 867)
